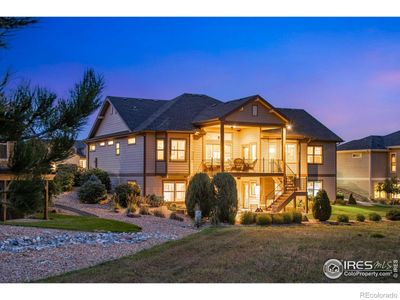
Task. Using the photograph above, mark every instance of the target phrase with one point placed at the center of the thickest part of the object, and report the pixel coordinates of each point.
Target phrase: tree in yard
(352, 200)
(322, 209)
(199, 192)
(10, 24)
(391, 187)
(225, 193)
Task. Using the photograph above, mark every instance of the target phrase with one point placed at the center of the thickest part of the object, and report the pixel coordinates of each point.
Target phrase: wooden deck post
(46, 200)
(294, 203)
(222, 144)
(306, 204)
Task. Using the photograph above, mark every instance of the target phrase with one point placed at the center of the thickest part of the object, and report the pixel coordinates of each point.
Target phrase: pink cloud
(388, 78)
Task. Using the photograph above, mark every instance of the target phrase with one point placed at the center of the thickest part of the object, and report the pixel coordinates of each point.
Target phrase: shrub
(352, 200)
(287, 218)
(225, 193)
(263, 219)
(155, 201)
(247, 218)
(297, 217)
(172, 207)
(304, 218)
(92, 191)
(322, 209)
(277, 219)
(339, 196)
(126, 193)
(26, 197)
(374, 217)
(342, 218)
(100, 174)
(65, 176)
(199, 192)
(158, 213)
(393, 214)
(340, 202)
(360, 218)
(144, 210)
(214, 220)
(175, 216)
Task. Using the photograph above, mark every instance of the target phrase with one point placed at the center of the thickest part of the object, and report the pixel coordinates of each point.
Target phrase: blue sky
(344, 71)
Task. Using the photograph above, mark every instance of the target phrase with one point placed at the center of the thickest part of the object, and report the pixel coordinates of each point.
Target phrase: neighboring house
(364, 163)
(276, 155)
(79, 156)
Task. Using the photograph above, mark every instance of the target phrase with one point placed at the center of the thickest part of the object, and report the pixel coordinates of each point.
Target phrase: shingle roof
(373, 142)
(80, 148)
(184, 111)
(306, 125)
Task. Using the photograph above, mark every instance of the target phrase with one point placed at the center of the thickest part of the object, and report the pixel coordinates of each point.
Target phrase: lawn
(353, 210)
(251, 254)
(79, 223)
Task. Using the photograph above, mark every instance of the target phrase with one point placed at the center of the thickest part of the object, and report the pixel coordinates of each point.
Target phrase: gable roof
(372, 142)
(306, 125)
(186, 111)
(80, 148)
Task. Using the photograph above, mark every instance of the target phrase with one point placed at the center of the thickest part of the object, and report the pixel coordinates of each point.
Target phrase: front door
(246, 191)
(291, 158)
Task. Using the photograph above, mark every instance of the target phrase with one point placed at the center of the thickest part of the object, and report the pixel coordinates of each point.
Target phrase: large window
(160, 149)
(314, 154)
(313, 187)
(178, 149)
(393, 162)
(212, 150)
(174, 191)
(3, 151)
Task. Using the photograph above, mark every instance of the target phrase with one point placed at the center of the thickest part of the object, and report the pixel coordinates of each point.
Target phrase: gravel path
(77, 250)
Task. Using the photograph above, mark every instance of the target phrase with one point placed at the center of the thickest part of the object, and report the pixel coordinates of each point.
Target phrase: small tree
(26, 196)
(100, 174)
(225, 193)
(92, 191)
(199, 192)
(391, 187)
(352, 200)
(322, 209)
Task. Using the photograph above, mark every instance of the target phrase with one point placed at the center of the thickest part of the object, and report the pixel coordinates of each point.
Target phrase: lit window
(3, 151)
(254, 110)
(253, 187)
(131, 141)
(117, 149)
(102, 144)
(82, 163)
(174, 191)
(160, 149)
(393, 162)
(356, 155)
(109, 143)
(178, 149)
(314, 154)
(313, 187)
(92, 147)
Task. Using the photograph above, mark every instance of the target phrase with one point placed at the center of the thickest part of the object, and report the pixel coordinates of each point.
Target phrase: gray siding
(111, 123)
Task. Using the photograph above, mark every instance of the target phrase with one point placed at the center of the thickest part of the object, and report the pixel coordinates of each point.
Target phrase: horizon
(343, 71)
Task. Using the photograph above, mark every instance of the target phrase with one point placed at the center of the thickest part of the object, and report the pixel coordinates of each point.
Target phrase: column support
(222, 144)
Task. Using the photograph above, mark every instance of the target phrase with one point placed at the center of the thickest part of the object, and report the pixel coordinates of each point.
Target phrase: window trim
(170, 150)
(174, 191)
(134, 138)
(117, 148)
(393, 154)
(256, 111)
(7, 152)
(163, 150)
(313, 155)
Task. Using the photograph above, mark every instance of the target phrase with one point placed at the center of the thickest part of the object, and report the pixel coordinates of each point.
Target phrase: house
(276, 155)
(79, 155)
(364, 163)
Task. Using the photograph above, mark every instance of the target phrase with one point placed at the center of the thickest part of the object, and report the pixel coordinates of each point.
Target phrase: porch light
(289, 126)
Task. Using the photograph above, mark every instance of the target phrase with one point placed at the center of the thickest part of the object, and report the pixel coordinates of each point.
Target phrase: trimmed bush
(360, 218)
(126, 192)
(92, 191)
(352, 200)
(225, 194)
(342, 218)
(393, 214)
(100, 174)
(263, 219)
(374, 217)
(155, 201)
(297, 217)
(339, 196)
(287, 218)
(322, 209)
(277, 219)
(199, 192)
(158, 213)
(340, 202)
(175, 216)
(247, 218)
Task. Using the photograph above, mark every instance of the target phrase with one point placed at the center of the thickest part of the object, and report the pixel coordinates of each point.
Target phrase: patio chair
(238, 164)
(252, 165)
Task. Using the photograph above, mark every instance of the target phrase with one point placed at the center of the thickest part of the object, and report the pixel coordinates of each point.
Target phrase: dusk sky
(344, 71)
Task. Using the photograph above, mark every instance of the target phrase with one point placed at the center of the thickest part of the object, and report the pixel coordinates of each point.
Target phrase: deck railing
(242, 165)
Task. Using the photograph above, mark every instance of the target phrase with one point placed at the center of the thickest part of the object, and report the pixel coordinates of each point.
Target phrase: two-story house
(276, 155)
(364, 163)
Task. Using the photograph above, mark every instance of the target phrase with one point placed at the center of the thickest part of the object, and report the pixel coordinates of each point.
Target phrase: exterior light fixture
(289, 126)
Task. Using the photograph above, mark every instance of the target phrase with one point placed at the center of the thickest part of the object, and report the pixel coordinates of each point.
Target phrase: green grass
(79, 223)
(251, 254)
(353, 210)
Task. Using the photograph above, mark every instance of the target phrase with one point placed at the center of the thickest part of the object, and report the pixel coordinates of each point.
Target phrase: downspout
(144, 164)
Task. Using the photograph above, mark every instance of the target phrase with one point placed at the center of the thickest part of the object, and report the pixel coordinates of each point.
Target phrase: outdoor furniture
(252, 165)
(238, 164)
